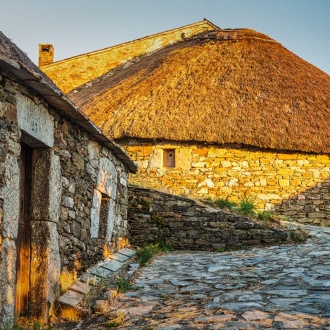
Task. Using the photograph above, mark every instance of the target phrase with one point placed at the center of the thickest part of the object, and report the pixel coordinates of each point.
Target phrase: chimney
(46, 54)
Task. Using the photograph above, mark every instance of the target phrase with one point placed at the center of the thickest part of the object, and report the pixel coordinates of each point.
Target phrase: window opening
(169, 158)
(104, 214)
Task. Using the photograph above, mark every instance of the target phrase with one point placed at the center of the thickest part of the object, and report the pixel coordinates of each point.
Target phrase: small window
(104, 211)
(169, 158)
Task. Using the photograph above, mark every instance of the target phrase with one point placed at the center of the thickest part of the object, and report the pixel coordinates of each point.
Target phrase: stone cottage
(63, 190)
(221, 113)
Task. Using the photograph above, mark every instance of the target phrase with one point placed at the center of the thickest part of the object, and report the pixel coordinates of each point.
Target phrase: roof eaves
(59, 101)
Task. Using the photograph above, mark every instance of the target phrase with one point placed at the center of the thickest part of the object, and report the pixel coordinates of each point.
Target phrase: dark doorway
(23, 242)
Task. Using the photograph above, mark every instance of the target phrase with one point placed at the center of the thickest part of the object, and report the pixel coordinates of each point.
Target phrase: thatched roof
(224, 86)
(16, 63)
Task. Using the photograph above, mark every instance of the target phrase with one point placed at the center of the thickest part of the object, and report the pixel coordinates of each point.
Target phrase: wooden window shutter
(169, 158)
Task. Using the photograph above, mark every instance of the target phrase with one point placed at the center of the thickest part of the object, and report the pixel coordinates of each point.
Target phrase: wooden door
(23, 242)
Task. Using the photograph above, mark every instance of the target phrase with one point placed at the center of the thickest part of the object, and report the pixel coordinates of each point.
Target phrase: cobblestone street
(280, 287)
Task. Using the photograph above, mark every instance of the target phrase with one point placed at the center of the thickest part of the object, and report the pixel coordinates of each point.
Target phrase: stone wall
(9, 183)
(294, 184)
(74, 180)
(84, 168)
(183, 223)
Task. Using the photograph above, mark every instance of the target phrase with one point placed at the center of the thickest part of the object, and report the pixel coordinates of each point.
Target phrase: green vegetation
(123, 284)
(145, 253)
(224, 203)
(265, 215)
(247, 206)
(297, 235)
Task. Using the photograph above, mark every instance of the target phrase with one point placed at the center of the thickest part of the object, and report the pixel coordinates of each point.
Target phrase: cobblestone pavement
(280, 287)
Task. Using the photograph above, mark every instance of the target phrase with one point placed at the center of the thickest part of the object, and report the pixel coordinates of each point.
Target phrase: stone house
(220, 113)
(63, 190)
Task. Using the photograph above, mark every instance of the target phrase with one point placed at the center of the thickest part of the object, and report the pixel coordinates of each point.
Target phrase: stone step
(107, 269)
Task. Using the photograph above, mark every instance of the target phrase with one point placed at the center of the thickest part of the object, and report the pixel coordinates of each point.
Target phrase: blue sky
(79, 26)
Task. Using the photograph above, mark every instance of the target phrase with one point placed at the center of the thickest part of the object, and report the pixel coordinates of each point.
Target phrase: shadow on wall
(310, 206)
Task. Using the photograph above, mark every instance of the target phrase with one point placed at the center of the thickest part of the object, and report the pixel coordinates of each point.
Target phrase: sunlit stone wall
(294, 184)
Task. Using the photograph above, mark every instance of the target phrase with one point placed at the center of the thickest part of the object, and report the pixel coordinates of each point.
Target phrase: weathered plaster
(107, 178)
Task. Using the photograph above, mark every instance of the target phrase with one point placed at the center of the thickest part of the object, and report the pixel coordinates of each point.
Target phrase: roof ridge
(95, 52)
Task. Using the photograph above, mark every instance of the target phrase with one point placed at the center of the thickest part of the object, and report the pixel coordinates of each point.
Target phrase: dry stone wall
(87, 169)
(184, 224)
(294, 184)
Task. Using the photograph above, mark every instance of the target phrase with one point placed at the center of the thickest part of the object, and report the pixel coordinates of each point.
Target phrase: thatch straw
(228, 86)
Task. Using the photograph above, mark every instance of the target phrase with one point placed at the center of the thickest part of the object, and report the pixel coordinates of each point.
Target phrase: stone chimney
(46, 54)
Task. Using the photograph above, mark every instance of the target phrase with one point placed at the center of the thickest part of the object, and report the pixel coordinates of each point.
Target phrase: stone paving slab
(280, 287)
(127, 252)
(71, 298)
(112, 266)
(81, 287)
(119, 257)
(91, 279)
(102, 271)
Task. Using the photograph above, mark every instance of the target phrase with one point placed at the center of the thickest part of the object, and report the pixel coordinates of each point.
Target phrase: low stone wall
(185, 224)
(293, 184)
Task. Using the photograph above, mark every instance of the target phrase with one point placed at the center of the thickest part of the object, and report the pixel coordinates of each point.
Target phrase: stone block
(35, 120)
(112, 265)
(90, 279)
(71, 298)
(81, 287)
(284, 182)
(127, 252)
(111, 295)
(101, 271)
(316, 215)
(285, 171)
(226, 163)
(8, 111)
(102, 306)
(119, 257)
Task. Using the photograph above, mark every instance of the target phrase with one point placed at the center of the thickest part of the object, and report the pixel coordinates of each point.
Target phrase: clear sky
(79, 26)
